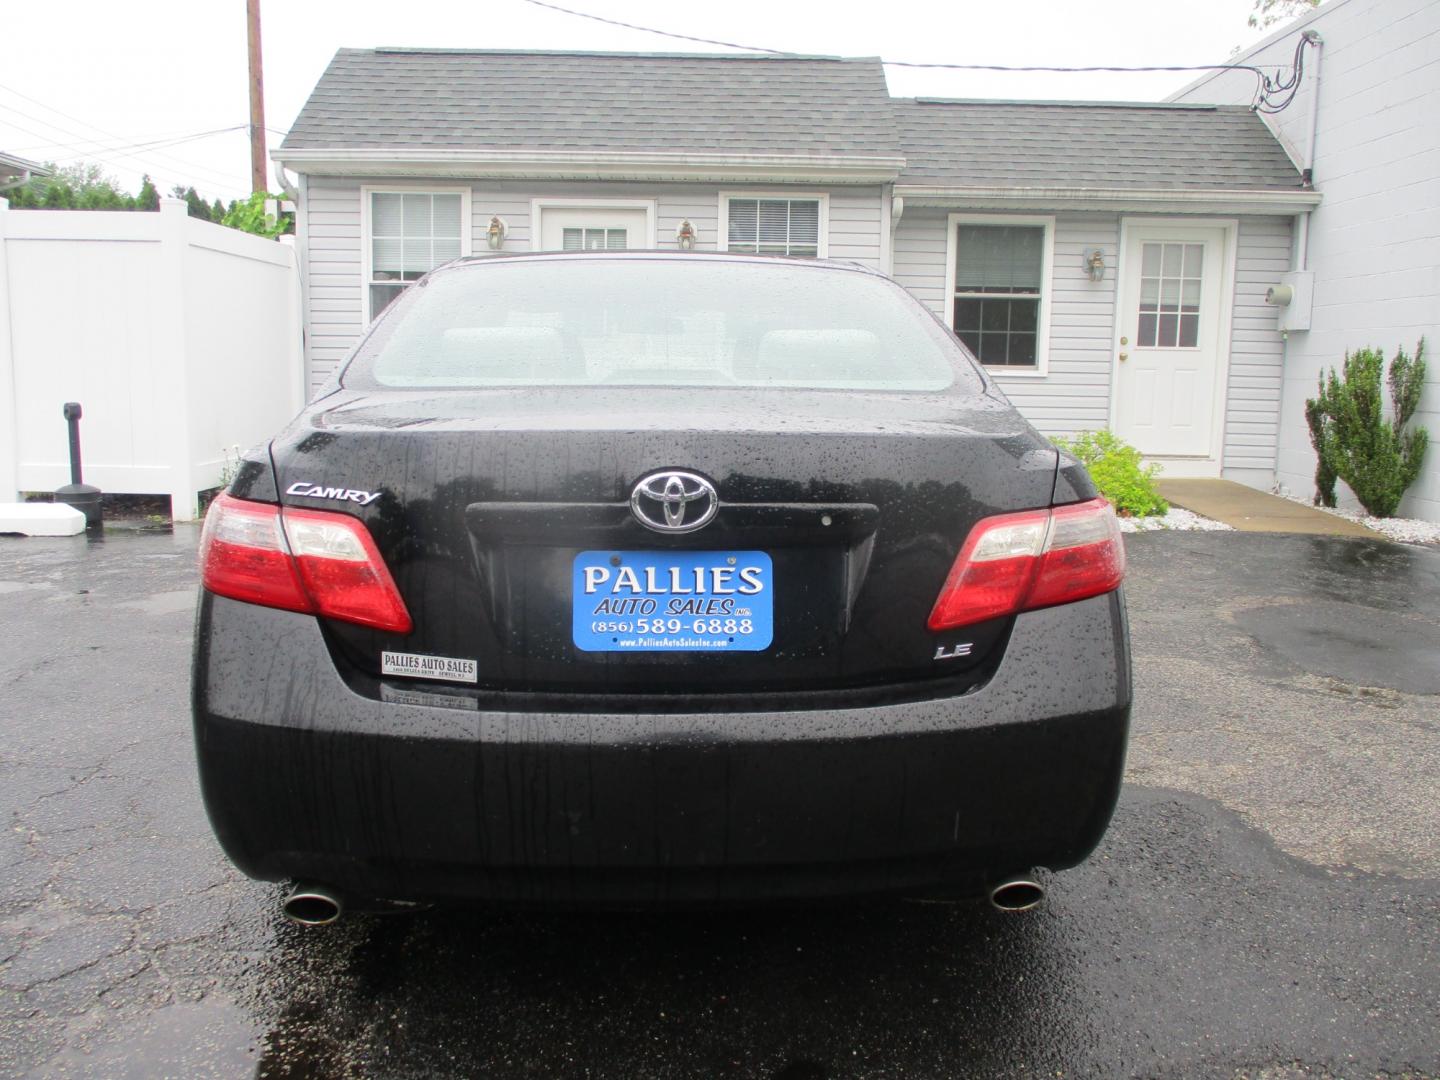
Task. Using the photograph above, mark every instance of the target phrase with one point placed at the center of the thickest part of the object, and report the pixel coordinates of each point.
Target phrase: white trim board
(1170, 201)
(1047, 276)
(597, 165)
(539, 206)
(467, 229)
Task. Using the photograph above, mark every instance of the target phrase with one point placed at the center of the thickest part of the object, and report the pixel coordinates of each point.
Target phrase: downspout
(897, 208)
(1307, 170)
(286, 185)
(1307, 174)
(301, 247)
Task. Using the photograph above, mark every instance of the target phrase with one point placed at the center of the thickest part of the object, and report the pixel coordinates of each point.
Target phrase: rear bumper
(305, 778)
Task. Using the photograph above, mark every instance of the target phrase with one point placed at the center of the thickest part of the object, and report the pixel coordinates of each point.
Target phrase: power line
(1265, 86)
(165, 161)
(99, 147)
(99, 144)
(651, 30)
(109, 154)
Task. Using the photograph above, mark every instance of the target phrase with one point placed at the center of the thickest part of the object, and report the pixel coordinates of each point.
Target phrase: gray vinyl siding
(332, 272)
(1257, 353)
(331, 239)
(1074, 395)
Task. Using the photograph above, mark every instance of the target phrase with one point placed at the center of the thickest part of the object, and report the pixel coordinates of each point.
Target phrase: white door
(573, 228)
(1167, 382)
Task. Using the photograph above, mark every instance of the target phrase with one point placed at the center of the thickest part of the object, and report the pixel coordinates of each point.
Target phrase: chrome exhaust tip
(1017, 894)
(312, 905)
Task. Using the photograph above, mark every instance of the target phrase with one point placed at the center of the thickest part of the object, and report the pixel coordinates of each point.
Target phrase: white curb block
(41, 519)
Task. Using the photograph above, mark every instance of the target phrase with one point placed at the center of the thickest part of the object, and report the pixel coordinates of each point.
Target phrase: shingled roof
(618, 115)
(952, 143)
(602, 102)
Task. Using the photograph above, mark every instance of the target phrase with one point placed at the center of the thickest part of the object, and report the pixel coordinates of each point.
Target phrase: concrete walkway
(1249, 510)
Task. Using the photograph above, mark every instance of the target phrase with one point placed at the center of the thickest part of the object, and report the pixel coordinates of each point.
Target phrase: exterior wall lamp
(685, 235)
(495, 234)
(1094, 262)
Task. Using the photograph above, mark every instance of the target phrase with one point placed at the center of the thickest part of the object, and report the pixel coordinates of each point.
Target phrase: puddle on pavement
(1355, 644)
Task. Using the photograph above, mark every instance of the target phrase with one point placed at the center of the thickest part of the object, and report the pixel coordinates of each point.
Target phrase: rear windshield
(659, 322)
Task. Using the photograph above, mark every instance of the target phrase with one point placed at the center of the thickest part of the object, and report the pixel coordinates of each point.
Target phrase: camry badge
(672, 501)
(320, 491)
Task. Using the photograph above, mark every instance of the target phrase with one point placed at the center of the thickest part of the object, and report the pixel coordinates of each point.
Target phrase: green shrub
(1354, 440)
(1116, 468)
(249, 216)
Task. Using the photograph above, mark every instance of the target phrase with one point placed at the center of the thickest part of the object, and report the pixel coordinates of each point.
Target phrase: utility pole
(257, 100)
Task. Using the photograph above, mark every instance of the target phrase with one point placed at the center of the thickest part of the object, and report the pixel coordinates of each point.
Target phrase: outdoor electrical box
(1294, 296)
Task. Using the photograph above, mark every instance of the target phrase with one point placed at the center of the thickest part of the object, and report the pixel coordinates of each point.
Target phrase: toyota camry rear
(633, 579)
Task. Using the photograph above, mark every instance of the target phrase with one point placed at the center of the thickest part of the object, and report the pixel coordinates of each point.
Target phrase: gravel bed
(1174, 518)
(1404, 530)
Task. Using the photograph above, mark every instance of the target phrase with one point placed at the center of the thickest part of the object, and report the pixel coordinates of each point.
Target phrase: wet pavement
(1266, 903)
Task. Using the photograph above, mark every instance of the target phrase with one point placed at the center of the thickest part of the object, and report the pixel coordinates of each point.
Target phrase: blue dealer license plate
(673, 601)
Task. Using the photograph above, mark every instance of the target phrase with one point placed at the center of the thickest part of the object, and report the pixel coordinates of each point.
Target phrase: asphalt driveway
(1266, 904)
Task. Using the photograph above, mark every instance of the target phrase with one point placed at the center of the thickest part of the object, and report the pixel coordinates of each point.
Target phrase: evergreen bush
(1377, 456)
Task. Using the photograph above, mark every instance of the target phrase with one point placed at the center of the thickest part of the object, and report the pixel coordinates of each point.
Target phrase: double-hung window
(411, 233)
(999, 297)
(774, 225)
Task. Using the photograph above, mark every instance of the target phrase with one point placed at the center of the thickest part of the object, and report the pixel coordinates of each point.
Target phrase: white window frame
(822, 247)
(1047, 284)
(367, 247)
(539, 206)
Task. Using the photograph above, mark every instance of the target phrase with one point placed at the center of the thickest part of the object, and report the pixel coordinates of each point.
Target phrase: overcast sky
(91, 79)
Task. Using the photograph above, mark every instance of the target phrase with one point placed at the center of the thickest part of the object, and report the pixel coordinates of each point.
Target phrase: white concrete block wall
(332, 240)
(1375, 238)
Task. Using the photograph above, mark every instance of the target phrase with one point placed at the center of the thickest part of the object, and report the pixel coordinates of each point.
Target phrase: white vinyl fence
(179, 338)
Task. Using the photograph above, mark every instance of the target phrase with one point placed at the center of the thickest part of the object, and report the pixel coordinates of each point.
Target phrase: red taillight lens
(300, 560)
(243, 555)
(1038, 558)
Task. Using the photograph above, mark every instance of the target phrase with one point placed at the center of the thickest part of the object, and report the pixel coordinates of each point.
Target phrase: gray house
(1107, 262)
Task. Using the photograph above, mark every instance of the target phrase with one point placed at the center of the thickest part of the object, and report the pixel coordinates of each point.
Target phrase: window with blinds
(411, 233)
(774, 226)
(999, 272)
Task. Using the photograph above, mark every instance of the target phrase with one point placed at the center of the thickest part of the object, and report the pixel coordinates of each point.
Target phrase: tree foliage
(1269, 12)
(89, 187)
(149, 198)
(74, 187)
(249, 216)
(1377, 456)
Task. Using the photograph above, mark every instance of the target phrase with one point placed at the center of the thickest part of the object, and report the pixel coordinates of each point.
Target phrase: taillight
(300, 560)
(1033, 559)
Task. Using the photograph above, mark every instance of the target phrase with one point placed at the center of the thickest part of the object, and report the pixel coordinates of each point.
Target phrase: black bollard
(83, 497)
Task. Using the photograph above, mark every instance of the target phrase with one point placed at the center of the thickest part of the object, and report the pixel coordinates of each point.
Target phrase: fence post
(171, 340)
(9, 421)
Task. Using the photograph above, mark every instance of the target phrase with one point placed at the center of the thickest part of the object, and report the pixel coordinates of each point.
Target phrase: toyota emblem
(673, 501)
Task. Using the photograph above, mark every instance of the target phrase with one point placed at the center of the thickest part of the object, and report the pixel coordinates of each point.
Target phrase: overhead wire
(168, 163)
(1267, 87)
(98, 147)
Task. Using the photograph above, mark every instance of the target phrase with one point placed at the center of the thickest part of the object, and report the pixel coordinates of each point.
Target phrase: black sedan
(634, 579)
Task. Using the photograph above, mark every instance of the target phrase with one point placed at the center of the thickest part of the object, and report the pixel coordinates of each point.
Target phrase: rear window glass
(658, 322)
